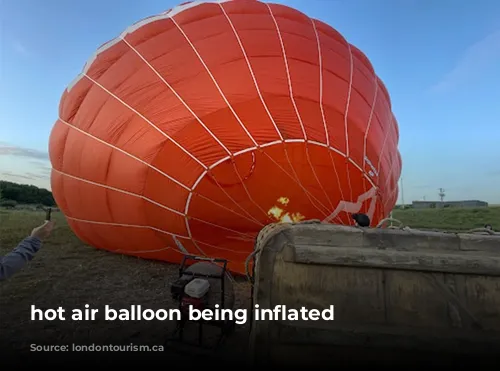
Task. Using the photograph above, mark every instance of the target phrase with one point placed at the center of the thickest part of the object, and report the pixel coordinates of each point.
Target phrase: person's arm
(25, 251)
(17, 258)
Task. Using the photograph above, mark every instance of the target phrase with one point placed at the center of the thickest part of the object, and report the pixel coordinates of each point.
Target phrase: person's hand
(43, 231)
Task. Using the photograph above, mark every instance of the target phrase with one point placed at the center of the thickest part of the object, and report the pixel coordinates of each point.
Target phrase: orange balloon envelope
(195, 128)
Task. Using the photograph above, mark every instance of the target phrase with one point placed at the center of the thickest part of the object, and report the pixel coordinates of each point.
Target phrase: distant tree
(9, 204)
(26, 194)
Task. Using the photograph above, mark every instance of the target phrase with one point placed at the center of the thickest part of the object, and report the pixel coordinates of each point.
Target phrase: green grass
(16, 224)
(67, 273)
(449, 219)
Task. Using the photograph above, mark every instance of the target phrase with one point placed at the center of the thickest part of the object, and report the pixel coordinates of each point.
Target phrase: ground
(450, 219)
(69, 274)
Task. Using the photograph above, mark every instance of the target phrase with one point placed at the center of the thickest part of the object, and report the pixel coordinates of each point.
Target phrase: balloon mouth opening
(233, 171)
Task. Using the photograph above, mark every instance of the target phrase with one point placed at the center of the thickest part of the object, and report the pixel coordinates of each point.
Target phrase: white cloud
(24, 165)
(20, 48)
(41, 179)
(473, 63)
(9, 150)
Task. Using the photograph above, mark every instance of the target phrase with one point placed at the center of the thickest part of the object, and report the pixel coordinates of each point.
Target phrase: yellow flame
(283, 200)
(280, 215)
(275, 212)
(292, 218)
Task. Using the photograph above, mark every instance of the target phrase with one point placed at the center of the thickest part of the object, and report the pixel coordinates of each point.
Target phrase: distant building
(439, 204)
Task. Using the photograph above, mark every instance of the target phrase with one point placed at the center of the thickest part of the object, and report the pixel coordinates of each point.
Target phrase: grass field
(449, 219)
(69, 274)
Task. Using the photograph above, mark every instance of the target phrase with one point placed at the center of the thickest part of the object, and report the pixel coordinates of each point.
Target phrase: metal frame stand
(226, 327)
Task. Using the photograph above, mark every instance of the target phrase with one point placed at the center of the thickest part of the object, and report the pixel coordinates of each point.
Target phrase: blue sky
(440, 61)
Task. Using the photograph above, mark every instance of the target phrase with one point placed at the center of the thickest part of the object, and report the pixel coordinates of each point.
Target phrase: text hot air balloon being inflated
(197, 127)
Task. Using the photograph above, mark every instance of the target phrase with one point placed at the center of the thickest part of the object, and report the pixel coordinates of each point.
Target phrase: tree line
(14, 193)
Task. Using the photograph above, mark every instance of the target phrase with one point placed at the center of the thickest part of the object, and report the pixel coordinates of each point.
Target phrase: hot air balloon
(195, 128)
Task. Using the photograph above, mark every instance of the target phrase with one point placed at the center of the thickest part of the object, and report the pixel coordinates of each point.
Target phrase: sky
(440, 61)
